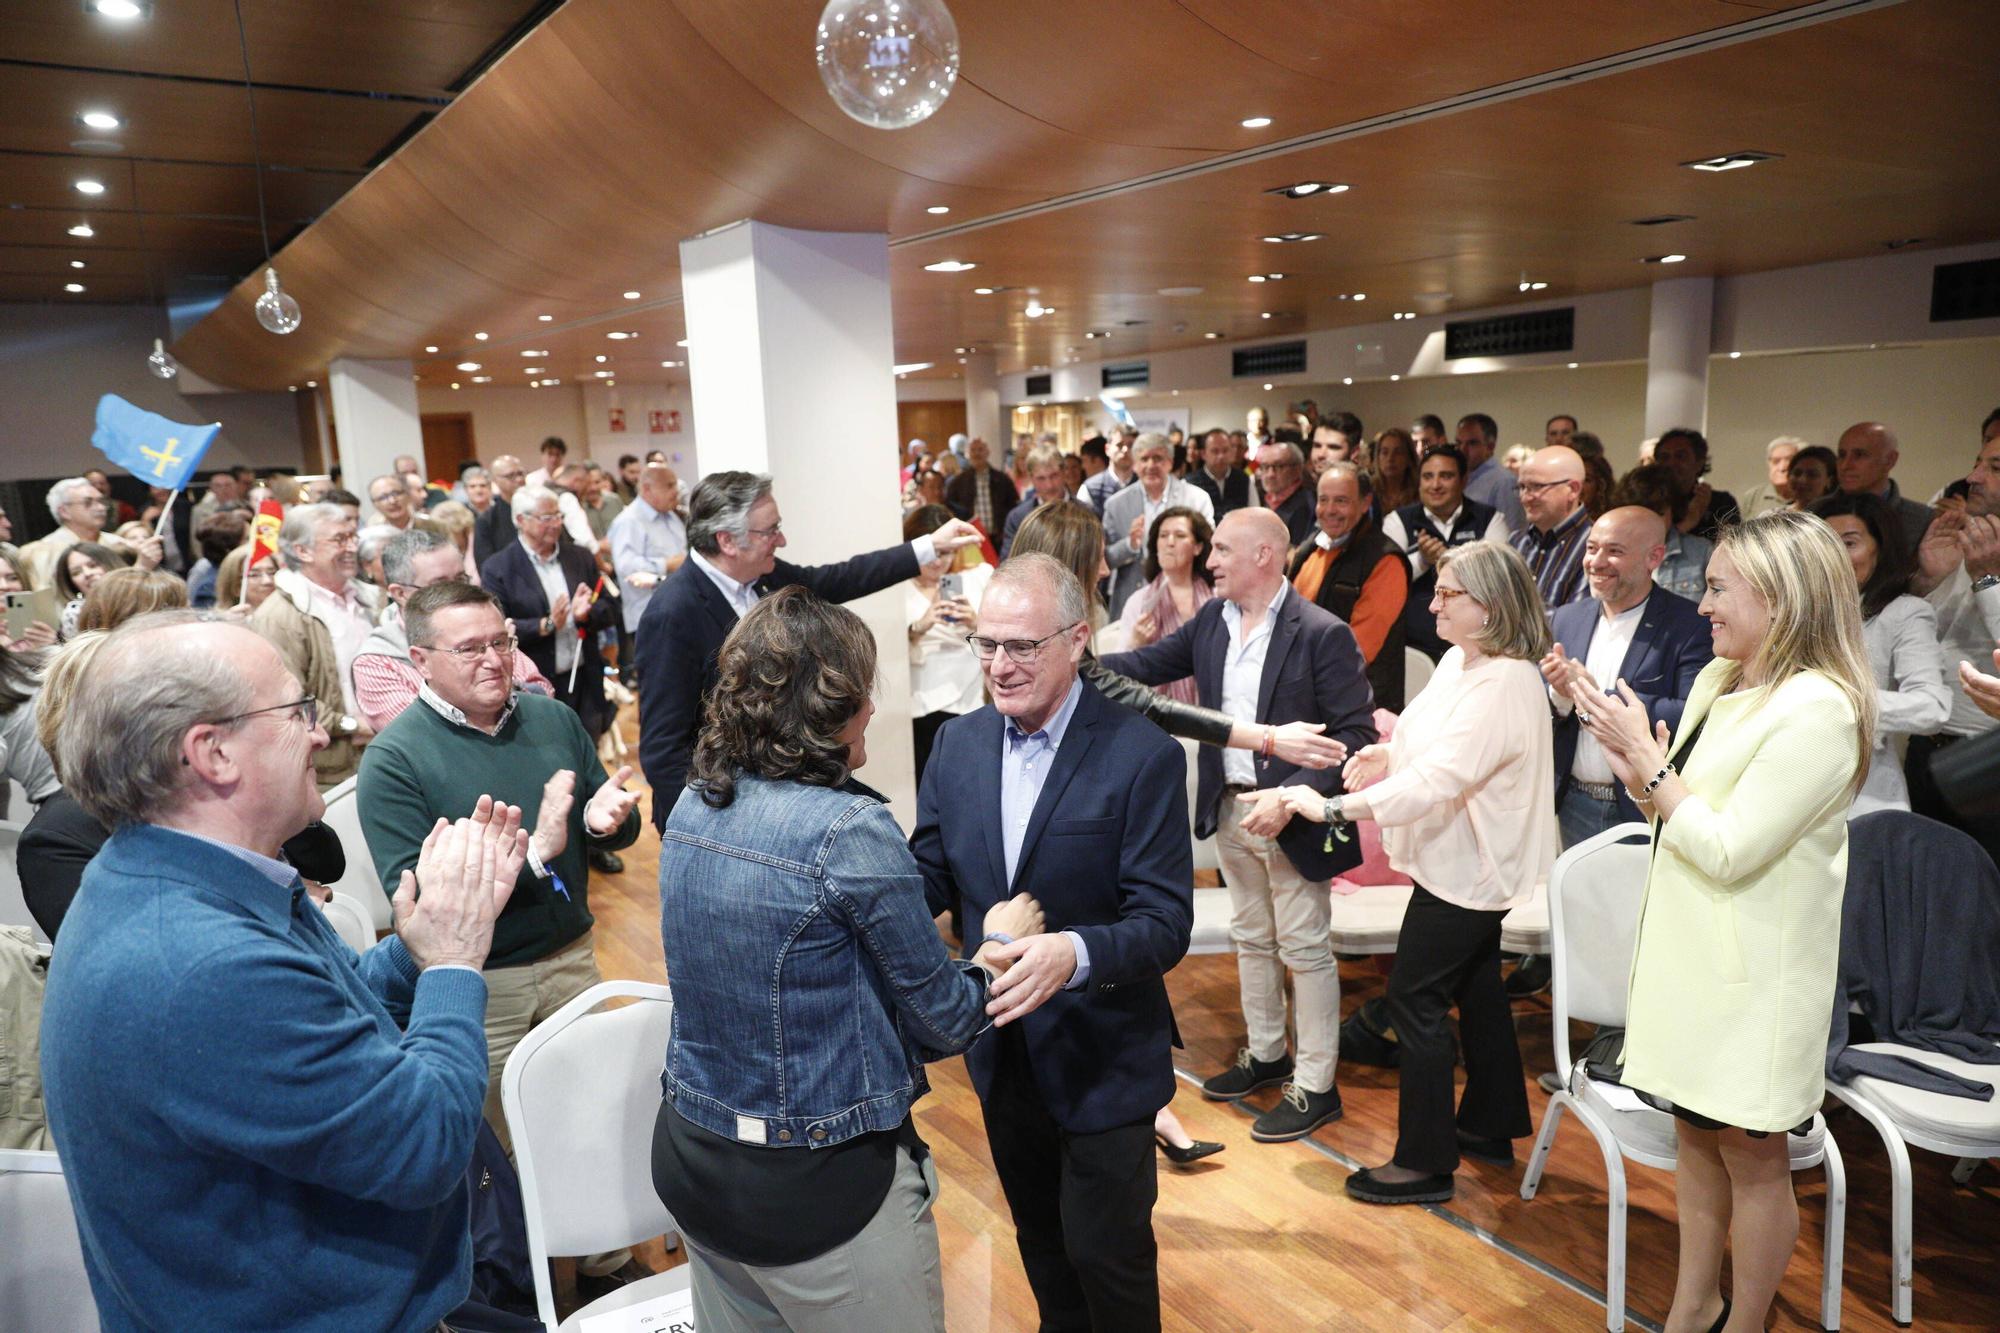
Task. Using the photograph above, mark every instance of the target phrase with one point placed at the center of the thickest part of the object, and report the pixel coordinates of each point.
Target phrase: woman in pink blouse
(1462, 795)
(1176, 587)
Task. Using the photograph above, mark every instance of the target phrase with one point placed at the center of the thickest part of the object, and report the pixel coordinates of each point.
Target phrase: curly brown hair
(789, 678)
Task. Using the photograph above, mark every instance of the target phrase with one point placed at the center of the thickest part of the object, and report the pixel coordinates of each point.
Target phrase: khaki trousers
(1280, 921)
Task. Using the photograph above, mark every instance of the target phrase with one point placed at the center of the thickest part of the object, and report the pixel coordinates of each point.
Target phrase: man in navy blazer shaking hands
(1266, 655)
(734, 534)
(1054, 791)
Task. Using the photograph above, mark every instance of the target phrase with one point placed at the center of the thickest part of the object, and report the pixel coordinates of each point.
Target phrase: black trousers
(1927, 800)
(1082, 1205)
(1449, 955)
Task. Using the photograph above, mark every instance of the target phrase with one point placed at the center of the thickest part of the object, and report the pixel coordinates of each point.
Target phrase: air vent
(1128, 375)
(1511, 335)
(1269, 359)
(1965, 291)
(1039, 386)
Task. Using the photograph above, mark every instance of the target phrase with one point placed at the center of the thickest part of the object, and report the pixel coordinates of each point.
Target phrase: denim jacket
(809, 981)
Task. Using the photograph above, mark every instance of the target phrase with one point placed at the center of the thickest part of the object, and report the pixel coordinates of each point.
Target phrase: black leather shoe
(608, 861)
(1530, 978)
(1246, 1076)
(590, 1288)
(1194, 1152)
(1297, 1114)
(1500, 1152)
(1362, 1185)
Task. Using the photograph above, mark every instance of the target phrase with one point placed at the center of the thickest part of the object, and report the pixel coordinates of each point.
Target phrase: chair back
(1417, 672)
(43, 1284)
(361, 883)
(1594, 894)
(349, 920)
(14, 903)
(581, 1094)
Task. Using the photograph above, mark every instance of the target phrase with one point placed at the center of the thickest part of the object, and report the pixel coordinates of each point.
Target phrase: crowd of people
(454, 655)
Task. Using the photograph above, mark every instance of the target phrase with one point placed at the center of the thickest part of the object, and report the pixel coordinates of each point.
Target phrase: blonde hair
(1074, 535)
(60, 674)
(1496, 577)
(125, 593)
(1797, 567)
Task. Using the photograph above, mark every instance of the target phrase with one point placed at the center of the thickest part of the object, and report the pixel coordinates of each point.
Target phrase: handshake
(1029, 970)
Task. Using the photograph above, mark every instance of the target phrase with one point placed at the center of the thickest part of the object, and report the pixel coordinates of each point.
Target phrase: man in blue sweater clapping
(259, 1129)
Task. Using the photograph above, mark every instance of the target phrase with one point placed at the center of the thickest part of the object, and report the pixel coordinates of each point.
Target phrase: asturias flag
(157, 451)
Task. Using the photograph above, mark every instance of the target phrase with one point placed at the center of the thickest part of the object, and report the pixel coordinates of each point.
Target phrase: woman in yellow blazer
(1739, 936)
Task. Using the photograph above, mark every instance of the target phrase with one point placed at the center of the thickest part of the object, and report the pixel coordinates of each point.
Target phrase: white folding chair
(13, 903)
(1370, 919)
(1594, 895)
(1525, 930)
(361, 883)
(43, 1285)
(1417, 671)
(581, 1094)
(349, 920)
(1956, 1126)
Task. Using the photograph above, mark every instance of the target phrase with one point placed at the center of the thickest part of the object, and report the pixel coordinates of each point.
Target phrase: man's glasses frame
(469, 653)
(1022, 651)
(308, 711)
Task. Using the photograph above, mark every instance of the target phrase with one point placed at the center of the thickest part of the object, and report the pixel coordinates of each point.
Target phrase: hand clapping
(466, 872)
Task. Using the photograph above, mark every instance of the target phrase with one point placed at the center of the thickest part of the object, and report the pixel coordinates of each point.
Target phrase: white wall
(56, 361)
(639, 402)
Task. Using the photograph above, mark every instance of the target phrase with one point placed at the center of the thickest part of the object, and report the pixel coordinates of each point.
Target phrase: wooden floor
(1262, 1236)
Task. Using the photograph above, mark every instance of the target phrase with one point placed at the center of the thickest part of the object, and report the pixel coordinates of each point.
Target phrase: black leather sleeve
(1206, 726)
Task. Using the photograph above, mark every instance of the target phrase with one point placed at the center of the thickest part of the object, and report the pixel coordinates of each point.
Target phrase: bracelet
(1333, 813)
(1270, 746)
(1646, 792)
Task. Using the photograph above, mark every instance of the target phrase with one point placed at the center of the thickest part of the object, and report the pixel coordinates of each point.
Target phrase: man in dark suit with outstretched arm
(1053, 790)
(734, 533)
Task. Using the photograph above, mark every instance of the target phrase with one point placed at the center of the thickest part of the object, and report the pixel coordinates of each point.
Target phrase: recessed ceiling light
(1730, 161)
(617, 336)
(1211, 335)
(430, 347)
(1361, 296)
(536, 370)
(1097, 333)
(604, 374)
(1267, 388)
(454, 384)
(87, 186)
(982, 291)
(1265, 315)
(1275, 277)
(938, 210)
(611, 384)
(72, 286)
(1394, 378)
(122, 10)
(77, 263)
(468, 365)
(1256, 122)
(1528, 286)
(1307, 189)
(1736, 356)
(949, 266)
(479, 337)
(312, 384)
(1572, 365)
(601, 358)
(631, 296)
(82, 229)
(482, 379)
(101, 120)
(1256, 277)
(532, 353)
(1665, 259)
(682, 343)
(1292, 237)
(1347, 379)
(545, 318)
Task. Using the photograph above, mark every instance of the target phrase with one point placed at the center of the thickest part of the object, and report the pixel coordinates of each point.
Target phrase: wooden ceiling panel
(99, 289)
(291, 197)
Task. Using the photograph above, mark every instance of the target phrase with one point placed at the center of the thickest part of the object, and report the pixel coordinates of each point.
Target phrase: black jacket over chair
(510, 575)
(1313, 672)
(682, 630)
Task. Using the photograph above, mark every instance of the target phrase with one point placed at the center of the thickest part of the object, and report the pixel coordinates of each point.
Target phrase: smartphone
(952, 586)
(25, 608)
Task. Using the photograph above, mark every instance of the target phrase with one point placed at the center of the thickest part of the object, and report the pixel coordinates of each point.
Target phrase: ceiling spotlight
(631, 296)
(90, 187)
(1265, 315)
(545, 318)
(1665, 259)
(1572, 365)
(982, 291)
(1256, 122)
(1527, 286)
(482, 379)
(1267, 388)
(430, 347)
(1211, 335)
(101, 120)
(468, 365)
(937, 210)
(949, 266)
(611, 384)
(82, 229)
(1306, 189)
(533, 353)
(122, 10)
(601, 358)
(1035, 309)
(536, 370)
(617, 336)
(1730, 161)
(1361, 296)
(454, 384)
(72, 286)
(77, 263)
(1347, 379)
(1275, 277)
(479, 337)
(1256, 277)
(1290, 237)
(312, 384)
(604, 374)
(1394, 378)
(1736, 356)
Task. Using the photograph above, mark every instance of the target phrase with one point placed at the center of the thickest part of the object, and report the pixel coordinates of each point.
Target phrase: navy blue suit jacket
(1668, 651)
(1313, 672)
(510, 576)
(1107, 855)
(682, 630)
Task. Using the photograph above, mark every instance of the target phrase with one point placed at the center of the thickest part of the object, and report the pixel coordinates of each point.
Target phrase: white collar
(731, 588)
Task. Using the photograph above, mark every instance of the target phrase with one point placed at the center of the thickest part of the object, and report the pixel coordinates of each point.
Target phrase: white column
(982, 403)
(1677, 354)
(375, 418)
(790, 353)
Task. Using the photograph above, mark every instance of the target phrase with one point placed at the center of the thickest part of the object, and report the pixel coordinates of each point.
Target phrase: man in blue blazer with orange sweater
(1054, 791)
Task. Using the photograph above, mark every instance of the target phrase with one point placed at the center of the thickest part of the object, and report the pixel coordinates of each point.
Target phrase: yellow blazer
(1739, 935)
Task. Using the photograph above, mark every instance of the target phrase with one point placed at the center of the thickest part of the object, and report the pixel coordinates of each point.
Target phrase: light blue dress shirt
(1025, 761)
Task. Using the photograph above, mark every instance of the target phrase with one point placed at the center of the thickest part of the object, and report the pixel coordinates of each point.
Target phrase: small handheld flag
(263, 540)
(158, 451)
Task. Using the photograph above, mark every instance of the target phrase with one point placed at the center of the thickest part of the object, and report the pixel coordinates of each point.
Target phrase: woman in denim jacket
(810, 986)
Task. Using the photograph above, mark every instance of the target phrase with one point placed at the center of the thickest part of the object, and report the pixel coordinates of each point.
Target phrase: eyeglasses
(1018, 650)
(308, 712)
(544, 518)
(344, 539)
(469, 653)
(1532, 488)
(772, 533)
(1445, 594)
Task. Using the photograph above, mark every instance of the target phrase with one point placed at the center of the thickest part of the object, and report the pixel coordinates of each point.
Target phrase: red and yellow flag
(264, 531)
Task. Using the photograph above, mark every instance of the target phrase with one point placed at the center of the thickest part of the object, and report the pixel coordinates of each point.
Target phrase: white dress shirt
(1406, 541)
(1968, 622)
(1608, 646)
(743, 596)
(550, 572)
(1242, 677)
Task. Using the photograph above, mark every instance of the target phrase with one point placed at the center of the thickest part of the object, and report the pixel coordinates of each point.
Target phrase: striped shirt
(1556, 559)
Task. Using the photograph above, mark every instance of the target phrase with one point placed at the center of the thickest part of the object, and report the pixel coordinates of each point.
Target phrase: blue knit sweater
(259, 1131)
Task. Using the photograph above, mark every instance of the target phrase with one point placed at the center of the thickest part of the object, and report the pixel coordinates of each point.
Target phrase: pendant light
(276, 310)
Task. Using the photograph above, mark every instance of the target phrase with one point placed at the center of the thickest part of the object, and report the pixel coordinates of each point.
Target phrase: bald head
(1551, 486)
(1620, 553)
(1246, 557)
(1260, 528)
(660, 487)
(1867, 454)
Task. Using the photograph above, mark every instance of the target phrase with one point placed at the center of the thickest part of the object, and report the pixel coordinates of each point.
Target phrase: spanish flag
(264, 532)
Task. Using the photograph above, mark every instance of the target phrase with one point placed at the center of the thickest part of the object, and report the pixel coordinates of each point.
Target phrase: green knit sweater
(423, 766)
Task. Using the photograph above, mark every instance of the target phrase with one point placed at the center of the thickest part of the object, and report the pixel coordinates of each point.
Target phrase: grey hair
(1044, 455)
(1783, 441)
(472, 473)
(722, 503)
(1293, 455)
(59, 494)
(369, 542)
(1152, 442)
(530, 498)
(119, 740)
(400, 552)
(1034, 569)
(301, 529)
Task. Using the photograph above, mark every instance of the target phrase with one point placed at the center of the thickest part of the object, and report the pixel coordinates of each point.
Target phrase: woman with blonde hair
(1461, 793)
(1738, 950)
(1392, 470)
(234, 585)
(124, 593)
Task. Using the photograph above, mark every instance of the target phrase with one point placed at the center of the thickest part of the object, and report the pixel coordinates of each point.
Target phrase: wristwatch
(1986, 581)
